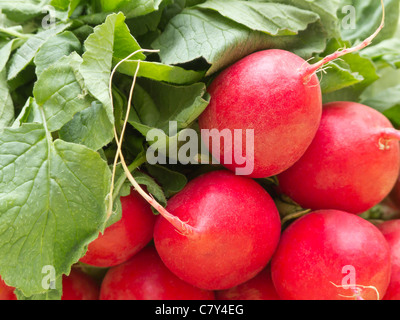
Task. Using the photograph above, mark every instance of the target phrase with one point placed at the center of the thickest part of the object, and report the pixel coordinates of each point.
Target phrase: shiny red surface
(344, 168)
(238, 228)
(126, 237)
(267, 92)
(79, 286)
(145, 277)
(391, 232)
(324, 250)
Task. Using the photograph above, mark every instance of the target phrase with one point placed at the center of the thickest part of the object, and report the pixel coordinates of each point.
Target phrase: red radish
(124, 238)
(234, 230)
(79, 286)
(352, 163)
(331, 255)
(277, 94)
(6, 292)
(145, 277)
(266, 91)
(260, 287)
(391, 231)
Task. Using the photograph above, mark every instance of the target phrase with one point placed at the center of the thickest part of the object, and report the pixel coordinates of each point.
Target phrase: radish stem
(182, 227)
(311, 69)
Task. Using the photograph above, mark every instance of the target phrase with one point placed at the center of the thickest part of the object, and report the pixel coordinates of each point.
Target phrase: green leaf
(384, 53)
(384, 95)
(30, 113)
(171, 181)
(368, 18)
(55, 48)
(195, 33)
(157, 105)
(90, 127)
(161, 72)
(134, 8)
(6, 50)
(53, 204)
(66, 5)
(326, 9)
(59, 90)
(22, 10)
(25, 54)
(111, 37)
(356, 64)
(338, 76)
(108, 6)
(6, 103)
(50, 294)
(271, 18)
(151, 185)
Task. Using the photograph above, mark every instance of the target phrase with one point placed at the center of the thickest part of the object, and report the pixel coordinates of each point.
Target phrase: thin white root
(184, 228)
(119, 145)
(356, 290)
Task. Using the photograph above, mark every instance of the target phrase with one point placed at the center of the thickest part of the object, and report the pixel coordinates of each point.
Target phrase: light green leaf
(368, 18)
(161, 72)
(338, 75)
(326, 9)
(132, 9)
(55, 48)
(50, 294)
(171, 181)
(30, 113)
(53, 204)
(22, 10)
(384, 95)
(384, 53)
(151, 185)
(359, 66)
(25, 54)
(195, 33)
(90, 127)
(5, 52)
(112, 37)
(157, 104)
(6, 103)
(59, 90)
(271, 18)
(66, 5)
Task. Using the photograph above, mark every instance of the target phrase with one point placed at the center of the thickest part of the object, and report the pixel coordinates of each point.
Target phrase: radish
(260, 287)
(331, 255)
(123, 239)
(79, 286)
(275, 93)
(232, 229)
(145, 277)
(352, 163)
(6, 292)
(391, 231)
(266, 91)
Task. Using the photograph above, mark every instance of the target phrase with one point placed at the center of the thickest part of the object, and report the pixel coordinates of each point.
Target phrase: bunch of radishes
(223, 237)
